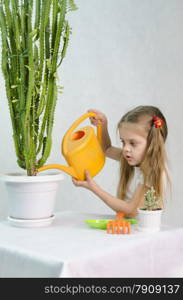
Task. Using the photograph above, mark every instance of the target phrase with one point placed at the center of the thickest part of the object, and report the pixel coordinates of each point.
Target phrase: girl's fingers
(78, 182)
(93, 110)
(98, 119)
(74, 180)
(94, 120)
(87, 175)
(83, 183)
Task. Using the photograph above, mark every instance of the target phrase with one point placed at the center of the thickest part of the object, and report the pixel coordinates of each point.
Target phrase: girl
(143, 132)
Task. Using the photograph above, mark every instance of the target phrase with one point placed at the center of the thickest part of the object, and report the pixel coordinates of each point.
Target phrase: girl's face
(134, 141)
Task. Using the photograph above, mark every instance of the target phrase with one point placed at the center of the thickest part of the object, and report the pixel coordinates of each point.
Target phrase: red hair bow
(158, 122)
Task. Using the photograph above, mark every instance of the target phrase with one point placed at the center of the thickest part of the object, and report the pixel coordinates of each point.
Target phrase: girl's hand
(100, 117)
(88, 183)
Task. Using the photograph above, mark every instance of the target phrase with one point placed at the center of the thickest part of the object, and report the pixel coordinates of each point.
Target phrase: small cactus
(150, 200)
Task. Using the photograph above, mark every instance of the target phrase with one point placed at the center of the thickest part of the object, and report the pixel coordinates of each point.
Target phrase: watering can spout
(67, 169)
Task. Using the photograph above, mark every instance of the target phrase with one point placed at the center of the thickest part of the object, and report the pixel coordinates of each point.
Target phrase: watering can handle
(76, 124)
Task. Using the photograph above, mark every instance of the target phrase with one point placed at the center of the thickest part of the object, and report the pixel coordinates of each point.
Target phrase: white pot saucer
(30, 222)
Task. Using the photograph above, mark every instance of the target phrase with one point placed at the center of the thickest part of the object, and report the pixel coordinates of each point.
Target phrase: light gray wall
(122, 53)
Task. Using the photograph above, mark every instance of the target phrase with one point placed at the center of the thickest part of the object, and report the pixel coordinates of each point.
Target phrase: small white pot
(149, 221)
(31, 199)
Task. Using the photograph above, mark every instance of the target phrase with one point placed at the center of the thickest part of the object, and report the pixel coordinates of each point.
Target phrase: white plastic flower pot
(31, 199)
(149, 221)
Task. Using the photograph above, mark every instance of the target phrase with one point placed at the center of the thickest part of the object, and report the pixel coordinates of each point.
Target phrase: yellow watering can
(82, 150)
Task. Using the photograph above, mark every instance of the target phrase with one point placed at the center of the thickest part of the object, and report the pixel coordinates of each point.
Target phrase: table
(69, 248)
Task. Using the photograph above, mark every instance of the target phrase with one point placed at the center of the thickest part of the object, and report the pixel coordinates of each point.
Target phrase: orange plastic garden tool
(119, 225)
(82, 150)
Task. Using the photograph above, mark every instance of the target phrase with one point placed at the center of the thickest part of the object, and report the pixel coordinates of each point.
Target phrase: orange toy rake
(119, 225)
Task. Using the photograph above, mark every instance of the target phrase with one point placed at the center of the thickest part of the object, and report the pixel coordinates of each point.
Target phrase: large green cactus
(35, 35)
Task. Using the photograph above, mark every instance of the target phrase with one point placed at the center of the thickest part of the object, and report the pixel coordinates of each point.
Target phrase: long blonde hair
(154, 163)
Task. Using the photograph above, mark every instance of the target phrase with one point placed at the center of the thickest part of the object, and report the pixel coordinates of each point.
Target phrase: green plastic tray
(102, 224)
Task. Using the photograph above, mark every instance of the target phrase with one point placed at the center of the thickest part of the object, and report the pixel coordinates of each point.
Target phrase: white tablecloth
(69, 248)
